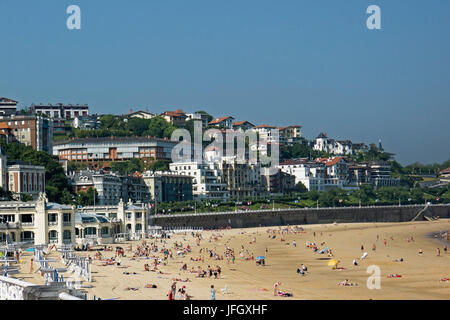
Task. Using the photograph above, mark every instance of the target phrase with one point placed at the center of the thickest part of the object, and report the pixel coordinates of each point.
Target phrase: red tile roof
(241, 122)
(445, 171)
(176, 113)
(219, 120)
(330, 161)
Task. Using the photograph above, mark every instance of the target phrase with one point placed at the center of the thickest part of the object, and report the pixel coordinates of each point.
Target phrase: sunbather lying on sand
(394, 275)
(181, 280)
(285, 294)
(346, 283)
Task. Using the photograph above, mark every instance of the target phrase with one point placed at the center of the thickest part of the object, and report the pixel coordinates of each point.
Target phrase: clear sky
(306, 62)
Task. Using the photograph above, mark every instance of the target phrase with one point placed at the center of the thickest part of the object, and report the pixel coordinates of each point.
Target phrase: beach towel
(364, 255)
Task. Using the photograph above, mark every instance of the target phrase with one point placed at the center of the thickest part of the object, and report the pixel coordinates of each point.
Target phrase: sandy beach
(421, 274)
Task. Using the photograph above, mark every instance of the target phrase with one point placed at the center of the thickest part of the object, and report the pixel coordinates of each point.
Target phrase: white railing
(293, 209)
(27, 224)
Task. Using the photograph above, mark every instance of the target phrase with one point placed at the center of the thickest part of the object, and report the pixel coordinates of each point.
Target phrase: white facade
(331, 146)
(39, 222)
(206, 183)
(311, 174)
(266, 133)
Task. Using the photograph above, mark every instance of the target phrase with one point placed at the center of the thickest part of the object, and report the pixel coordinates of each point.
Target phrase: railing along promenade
(240, 211)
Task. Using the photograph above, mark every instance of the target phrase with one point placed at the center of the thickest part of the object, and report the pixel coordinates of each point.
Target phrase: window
(105, 231)
(53, 235)
(66, 217)
(67, 235)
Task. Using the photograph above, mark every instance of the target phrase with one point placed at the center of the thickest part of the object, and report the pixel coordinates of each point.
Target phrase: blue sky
(306, 62)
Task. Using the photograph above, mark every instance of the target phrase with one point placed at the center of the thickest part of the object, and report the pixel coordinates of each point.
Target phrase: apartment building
(336, 171)
(7, 106)
(110, 187)
(113, 149)
(278, 183)
(34, 131)
(290, 135)
(59, 110)
(266, 133)
(168, 186)
(311, 173)
(207, 180)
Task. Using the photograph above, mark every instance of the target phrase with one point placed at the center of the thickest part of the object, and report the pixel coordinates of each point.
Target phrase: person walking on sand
(213, 293)
(276, 287)
(438, 252)
(31, 265)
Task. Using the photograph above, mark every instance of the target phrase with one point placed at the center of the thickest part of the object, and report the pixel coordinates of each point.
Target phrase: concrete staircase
(421, 215)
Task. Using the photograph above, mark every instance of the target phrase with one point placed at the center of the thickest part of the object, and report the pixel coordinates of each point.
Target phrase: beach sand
(421, 273)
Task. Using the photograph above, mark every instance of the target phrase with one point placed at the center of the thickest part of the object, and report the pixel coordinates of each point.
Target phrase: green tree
(160, 128)
(300, 187)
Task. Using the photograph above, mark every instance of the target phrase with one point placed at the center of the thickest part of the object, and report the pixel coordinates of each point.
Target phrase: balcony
(52, 223)
(9, 225)
(27, 224)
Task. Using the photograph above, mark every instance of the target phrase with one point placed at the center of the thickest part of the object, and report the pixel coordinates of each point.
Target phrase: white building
(311, 173)
(38, 222)
(7, 106)
(206, 182)
(60, 110)
(42, 222)
(266, 133)
(336, 172)
(20, 177)
(141, 114)
(103, 223)
(331, 146)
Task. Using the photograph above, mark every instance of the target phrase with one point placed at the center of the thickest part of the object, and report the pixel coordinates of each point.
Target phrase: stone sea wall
(248, 219)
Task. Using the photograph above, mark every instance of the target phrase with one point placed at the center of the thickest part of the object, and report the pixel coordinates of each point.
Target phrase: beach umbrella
(30, 250)
(332, 262)
(260, 258)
